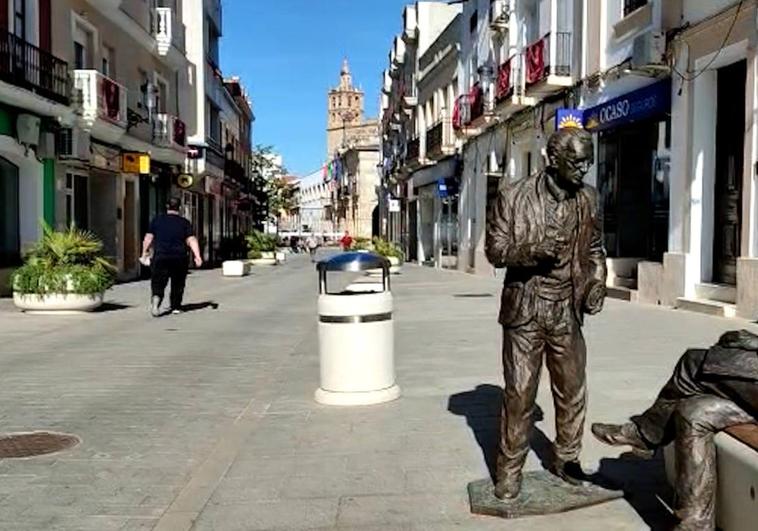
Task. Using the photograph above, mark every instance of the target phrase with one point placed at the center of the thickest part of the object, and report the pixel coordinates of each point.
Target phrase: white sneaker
(155, 306)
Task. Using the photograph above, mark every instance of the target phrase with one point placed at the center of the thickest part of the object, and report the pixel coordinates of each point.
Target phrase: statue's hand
(593, 302)
(739, 339)
(551, 248)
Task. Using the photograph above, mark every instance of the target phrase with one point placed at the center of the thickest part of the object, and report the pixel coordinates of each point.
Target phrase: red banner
(535, 62)
(504, 80)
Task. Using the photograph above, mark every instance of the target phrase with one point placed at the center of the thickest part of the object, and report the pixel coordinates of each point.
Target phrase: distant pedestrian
(346, 241)
(312, 244)
(294, 246)
(169, 237)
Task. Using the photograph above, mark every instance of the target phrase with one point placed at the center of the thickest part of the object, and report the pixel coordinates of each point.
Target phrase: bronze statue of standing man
(546, 230)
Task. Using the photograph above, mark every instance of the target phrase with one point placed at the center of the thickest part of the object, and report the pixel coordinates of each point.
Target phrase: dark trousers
(554, 335)
(169, 268)
(690, 410)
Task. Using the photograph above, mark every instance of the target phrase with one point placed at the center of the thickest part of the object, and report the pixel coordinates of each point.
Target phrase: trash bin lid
(354, 261)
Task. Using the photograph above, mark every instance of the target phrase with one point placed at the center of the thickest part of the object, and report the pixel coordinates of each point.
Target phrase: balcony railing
(413, 149)
(538, 54)
(163, 30)
(29, 67)
(101, 97)
(633, 5)
(169, 131)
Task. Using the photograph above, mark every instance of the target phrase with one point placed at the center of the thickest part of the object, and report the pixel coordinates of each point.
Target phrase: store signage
(442, 188)
(135, 163)
(394, 205)
(184, 180)
(569, 118)
(195, 152)
(647, 102)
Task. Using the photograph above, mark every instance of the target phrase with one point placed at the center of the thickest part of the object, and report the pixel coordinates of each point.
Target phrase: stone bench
(737, 466)
(235, 268)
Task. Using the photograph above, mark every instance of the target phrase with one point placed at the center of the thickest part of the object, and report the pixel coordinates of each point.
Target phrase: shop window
(77, 201)
(9, 219)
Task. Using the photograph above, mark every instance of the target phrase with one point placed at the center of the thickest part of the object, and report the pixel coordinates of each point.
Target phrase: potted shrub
(66, 271)
(391, 252)
(361, 244)
(261, 248)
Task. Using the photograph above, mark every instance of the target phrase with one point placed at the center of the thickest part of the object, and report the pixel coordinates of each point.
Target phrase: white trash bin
(356, 336)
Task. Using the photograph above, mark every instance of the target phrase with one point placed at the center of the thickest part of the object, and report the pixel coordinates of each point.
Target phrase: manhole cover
(35, 443)
(472, 295)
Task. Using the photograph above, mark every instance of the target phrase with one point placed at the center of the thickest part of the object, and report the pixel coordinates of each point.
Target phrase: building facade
(666, 89)
(98, 104)
(352, 158)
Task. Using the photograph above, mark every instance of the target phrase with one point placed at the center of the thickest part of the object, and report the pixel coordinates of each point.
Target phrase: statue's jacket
(735, 365)
(517, 224)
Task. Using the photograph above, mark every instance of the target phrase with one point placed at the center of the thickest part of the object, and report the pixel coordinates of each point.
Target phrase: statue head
(570, 154)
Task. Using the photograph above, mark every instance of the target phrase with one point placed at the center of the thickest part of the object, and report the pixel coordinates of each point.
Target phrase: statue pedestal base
(541, 493)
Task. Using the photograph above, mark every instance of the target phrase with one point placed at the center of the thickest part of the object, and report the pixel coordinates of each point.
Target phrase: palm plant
(68, 261)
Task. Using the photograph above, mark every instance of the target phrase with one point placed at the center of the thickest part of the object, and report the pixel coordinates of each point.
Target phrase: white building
(314, 198)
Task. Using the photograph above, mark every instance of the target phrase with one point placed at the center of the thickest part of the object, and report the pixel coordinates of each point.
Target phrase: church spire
(346, 80)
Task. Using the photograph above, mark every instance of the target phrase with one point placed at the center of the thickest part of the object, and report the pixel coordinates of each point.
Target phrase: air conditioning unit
(27, 129)
(499, 15)
(649, 51)
(73, 144)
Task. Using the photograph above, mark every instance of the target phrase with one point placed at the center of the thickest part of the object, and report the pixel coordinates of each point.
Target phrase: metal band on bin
(354, 319)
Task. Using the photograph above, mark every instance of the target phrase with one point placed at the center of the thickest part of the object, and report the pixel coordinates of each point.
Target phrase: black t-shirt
(170, 233)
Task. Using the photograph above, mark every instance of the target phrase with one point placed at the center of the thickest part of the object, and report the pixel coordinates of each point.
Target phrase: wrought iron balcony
(101, 98)
(552, 55)
(439, 140)
(27, 66)
(169, 131)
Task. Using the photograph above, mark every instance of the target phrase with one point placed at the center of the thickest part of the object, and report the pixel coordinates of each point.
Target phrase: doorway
(130, 226)
(10, 248)
(413, 231)
(634, 203)
(730, 146)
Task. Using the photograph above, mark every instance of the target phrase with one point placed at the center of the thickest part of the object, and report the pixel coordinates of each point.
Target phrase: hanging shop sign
(185, 180)
(565, 118)
(647, 102)
(135, 163)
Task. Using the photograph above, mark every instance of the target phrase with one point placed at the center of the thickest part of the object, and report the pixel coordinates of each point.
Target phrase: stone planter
(235, 268)
(395, 268)
(57, 303)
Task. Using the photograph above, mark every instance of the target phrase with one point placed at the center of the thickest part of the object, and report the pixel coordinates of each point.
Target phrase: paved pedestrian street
(206, 420)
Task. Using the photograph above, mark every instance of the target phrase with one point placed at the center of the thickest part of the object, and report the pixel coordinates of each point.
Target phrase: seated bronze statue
(710, 390)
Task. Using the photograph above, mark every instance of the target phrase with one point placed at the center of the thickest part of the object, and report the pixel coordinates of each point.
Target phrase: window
(633, 5)
(161, 95)
(107, 65)
(10, 249)
(213, 38)
(83, 46)
(77, 201)
(214, 123)
(19, 18)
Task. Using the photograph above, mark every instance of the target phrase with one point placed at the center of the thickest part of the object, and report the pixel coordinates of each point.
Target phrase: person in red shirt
(346, 241)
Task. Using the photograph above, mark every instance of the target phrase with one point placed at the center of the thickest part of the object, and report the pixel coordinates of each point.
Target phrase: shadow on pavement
(111, 307)
(640, 479)
(196, 306)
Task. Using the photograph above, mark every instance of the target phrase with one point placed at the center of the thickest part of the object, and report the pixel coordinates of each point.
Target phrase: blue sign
(442, 187)
(647, 102)
(569, 118)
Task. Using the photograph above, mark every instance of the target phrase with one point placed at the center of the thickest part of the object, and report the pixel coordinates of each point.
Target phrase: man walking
(546, 230)
(710, 390)
(169, 236)
(312, 244)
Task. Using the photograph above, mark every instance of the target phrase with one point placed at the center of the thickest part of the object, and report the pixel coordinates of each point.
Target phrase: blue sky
(288, 54)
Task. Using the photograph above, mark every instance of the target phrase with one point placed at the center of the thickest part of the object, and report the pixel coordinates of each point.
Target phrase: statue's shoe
(625, 434)
(570, 471)
(508, 487)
